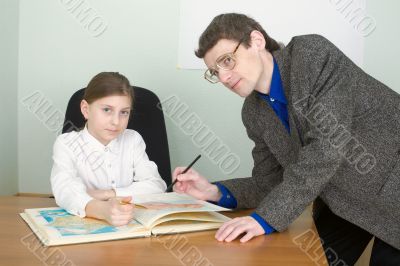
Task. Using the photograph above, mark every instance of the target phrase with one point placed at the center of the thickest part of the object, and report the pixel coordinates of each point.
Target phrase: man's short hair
(232, 26)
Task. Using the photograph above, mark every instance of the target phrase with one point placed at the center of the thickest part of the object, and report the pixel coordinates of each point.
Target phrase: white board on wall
(343, 22)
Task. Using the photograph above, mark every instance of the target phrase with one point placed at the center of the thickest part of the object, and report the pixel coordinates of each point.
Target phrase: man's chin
(244, 93)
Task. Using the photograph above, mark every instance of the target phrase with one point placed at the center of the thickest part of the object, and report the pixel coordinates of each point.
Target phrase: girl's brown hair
(107, 84)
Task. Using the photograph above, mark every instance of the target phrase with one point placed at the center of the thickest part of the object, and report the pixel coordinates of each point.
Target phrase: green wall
(8, 96)
(56, 54)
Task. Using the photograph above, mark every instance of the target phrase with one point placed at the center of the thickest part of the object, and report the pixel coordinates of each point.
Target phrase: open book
(155, 214)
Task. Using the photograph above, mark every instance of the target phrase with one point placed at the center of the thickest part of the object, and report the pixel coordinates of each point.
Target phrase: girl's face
(107, 117)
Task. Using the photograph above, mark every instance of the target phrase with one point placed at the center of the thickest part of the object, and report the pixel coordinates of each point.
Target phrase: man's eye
(227, 61)
(214, 72)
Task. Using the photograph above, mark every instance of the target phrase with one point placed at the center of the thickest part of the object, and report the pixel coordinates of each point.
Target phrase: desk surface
(18, 245)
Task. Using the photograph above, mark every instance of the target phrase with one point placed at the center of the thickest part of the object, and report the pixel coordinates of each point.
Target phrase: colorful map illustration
(70, 225)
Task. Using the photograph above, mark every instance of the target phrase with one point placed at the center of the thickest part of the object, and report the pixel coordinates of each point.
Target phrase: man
(324, 131)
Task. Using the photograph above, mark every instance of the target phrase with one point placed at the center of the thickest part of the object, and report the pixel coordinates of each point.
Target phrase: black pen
(184, 171)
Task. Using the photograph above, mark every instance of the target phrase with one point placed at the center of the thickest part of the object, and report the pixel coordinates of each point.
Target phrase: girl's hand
(100, 194)
(116, 211)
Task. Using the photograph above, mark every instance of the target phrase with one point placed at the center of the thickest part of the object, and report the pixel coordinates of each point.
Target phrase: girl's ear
(85, 109)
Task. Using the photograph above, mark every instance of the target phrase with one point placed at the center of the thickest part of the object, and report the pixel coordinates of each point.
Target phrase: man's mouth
(235, 85)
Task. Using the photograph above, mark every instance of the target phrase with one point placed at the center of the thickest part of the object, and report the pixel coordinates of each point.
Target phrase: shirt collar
(113, 146)
(276, 88)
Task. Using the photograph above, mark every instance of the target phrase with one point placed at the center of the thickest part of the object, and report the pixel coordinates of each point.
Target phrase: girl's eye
(106, 109)
(125, 113)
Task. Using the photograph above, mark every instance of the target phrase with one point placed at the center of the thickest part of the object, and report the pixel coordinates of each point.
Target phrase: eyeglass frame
(231, 55)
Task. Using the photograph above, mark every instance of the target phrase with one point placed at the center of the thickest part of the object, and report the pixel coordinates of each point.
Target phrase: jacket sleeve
(266, 174)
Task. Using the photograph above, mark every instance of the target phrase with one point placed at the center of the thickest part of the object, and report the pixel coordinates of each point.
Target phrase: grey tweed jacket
(344, 143)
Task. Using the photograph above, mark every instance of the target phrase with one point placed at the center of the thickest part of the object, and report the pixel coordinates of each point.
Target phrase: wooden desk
(18, 245)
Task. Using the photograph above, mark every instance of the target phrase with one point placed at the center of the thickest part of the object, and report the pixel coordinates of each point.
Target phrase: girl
(104, 163)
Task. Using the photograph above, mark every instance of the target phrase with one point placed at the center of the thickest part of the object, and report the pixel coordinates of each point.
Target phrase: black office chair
(147, 119)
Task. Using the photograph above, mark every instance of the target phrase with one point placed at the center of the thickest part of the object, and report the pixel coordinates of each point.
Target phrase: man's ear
(257, 40)
(85, 109)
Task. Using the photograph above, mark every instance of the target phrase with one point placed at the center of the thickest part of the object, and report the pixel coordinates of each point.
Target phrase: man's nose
(224, 76)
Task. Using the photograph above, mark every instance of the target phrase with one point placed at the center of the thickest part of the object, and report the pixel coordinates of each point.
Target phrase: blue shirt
(277, 100)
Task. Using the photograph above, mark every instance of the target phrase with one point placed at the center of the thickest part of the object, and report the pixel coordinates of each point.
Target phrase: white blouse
(81, 162)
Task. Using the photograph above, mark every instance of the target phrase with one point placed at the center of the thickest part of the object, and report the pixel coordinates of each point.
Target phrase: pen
(124, 202)
(184, 171)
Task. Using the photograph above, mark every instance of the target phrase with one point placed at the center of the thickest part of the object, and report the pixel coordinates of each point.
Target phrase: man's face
(245, 75)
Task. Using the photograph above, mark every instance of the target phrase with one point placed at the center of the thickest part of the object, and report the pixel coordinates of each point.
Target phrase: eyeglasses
(225, 62)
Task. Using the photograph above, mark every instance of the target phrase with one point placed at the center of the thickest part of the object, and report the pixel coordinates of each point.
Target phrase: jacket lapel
(283, 145)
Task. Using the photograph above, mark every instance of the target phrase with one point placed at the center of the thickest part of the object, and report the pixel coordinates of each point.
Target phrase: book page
(55, 226)
(203, 217)
(179, 226)
(156, 206)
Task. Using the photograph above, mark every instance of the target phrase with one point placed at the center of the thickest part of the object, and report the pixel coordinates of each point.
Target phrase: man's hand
(237, 226)
(195, 185)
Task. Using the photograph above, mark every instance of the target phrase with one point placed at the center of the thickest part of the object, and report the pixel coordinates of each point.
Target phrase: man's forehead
(223, 46)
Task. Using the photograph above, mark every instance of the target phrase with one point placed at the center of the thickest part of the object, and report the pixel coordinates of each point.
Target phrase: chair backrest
(147, 119)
